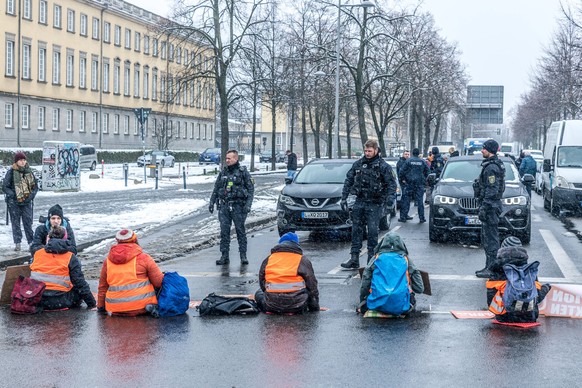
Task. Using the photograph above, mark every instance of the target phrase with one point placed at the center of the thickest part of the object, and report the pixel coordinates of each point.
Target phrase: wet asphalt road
(328, 348)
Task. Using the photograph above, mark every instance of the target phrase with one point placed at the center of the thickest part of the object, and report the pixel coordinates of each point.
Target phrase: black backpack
(227, 305)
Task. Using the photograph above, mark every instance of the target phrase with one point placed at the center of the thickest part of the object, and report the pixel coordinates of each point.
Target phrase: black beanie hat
(435, 150)
(491, 146)
(56, 210)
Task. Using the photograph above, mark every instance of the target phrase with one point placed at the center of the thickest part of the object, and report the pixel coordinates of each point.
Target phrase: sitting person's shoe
(484, 273)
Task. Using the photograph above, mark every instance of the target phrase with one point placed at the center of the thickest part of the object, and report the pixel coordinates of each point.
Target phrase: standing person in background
(291, 163)
(413, 173)
(20, 188)
(453, 152)
(527, 166)
(233, 193)
(400, 163)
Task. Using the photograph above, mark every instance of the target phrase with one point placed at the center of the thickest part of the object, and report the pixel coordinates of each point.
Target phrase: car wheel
(172, 164)
(554, 209)
(433, 235)
(546, 199)
(93, 166)
(526, 236)
(162, 163)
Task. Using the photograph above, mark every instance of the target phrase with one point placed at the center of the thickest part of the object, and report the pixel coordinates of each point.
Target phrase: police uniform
(373, 184)
(436, 167)
(413, 173)
(489, 189)
(233, 193)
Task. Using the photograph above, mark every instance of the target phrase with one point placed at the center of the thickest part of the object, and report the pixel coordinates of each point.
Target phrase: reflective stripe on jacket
(52, 269)
(281, 273)
(126, 291)
(497, 307)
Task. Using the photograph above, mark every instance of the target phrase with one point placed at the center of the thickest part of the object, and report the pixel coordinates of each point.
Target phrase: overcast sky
(500, 40)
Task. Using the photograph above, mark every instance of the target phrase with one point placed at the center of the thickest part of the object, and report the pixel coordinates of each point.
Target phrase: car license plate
(315, 215)
(472, 220)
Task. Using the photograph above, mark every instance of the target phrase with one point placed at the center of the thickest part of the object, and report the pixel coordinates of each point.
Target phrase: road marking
(566, 264)
(475, 278)
(218, 274)
(394, 229)
(536, 218)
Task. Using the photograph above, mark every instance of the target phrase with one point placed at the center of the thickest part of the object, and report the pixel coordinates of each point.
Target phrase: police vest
(281, 273)
(368, 181)
(232, 185)
(126, 291)
(52, 269)
(500, 176)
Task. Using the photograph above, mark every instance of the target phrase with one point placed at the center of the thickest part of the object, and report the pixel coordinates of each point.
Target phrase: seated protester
(287, 280)
(55, 218)
(511, 252)
(390, 279)
(128, 278)
(61, 271)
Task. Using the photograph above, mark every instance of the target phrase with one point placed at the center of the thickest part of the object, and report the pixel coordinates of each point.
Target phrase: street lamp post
(365, 4)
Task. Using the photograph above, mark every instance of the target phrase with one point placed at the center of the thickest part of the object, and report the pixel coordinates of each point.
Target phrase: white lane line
(218, 274)
(475, 278)
(394, 229)
(566, 264)
(536, 218)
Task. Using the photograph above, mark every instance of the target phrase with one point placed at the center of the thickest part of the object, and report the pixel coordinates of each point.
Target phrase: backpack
(521, 295)
(26, 296)
(227, 305)
(174, 296)
(390, 289)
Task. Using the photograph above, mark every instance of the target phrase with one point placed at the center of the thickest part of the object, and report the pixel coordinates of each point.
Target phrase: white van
(87, 157)
(562, 170)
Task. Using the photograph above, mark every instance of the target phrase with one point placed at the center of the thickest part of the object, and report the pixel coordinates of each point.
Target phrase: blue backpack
(390, 290)
(174, 296)
(521, 295)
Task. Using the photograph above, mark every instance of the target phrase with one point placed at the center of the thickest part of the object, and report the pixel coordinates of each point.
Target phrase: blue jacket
(528, 166)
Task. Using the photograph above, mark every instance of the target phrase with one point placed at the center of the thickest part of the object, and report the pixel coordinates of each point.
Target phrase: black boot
(243, 258)
(223, 259)
(352, 263)
(483, 273)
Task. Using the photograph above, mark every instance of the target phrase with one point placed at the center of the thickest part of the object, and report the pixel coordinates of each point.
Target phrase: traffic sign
(142, 114)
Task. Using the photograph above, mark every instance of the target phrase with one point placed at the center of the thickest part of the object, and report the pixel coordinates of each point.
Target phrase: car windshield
(324, 173)
(468, 170)
(158, 153)
(570, 156)
(212, 151)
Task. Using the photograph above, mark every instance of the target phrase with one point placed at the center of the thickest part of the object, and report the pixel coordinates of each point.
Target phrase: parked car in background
(266, 157)
(454, 210)
(539, 177)
(392, 162)
(311, 200)
(210, 155)
(87, 157)
(536, 154)
(163, 158)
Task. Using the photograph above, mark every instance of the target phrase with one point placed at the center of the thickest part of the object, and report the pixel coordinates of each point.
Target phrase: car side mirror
(547, 165)
(528, 179)
(431, 179)
(288, 180)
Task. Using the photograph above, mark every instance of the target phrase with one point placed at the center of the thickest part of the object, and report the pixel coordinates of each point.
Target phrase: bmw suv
(311, 200)
(454, 210)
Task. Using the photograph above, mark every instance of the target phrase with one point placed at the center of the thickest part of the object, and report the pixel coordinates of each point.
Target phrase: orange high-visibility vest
(497, 307)
(126, 291)
(52, 269)
(281, 273)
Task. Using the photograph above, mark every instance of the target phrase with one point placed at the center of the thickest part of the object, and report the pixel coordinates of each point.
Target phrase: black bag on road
(227, 305)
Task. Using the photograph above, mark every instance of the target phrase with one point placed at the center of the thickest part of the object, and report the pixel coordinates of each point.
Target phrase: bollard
(215, 170)
(102, 167)
(184, 176)
(204, 172)
(125, 172)
(156, 172)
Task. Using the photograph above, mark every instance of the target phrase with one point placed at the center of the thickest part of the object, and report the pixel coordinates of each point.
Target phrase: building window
(117, 36)
(105, 126)
(56, 119)
(56, 67)
(126, 125)
(137, 42)
(199, 132)
(171, 52)
(69, 120)
(42, 11)
(82, 121)
(191, 93)
(57, 16)
(41, 117)
(191, 130)
(178, 93)
(178, 130)
(83, 73)
(83, 25)
(154, 127)
(164, 48)
(95, 34)
(185, 93)
(146, 81)
(70, 20)
(42, 64)
(135, 126)
(210, 132)
(155, 47)
(146, 45)
(116, 74)
(126, 79)
(10, 7)
(185, 130)
(26, 61)
(70, 69)
(185, 57)
(106, 32)
(154, 84)
(116, 124)
(198, 94)
(27, 11)
(163, 88)
(94, 74)
(179, 55)
(10, 58)
(94, 117)
(25, 119)
(8, 115)
(136, 80)
(127, 38)
(106, 77)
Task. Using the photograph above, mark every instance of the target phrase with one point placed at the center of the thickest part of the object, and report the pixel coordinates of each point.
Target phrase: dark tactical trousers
(24, 213)
(416, 192)
(490, 234)
(229, 213)
(365, 213)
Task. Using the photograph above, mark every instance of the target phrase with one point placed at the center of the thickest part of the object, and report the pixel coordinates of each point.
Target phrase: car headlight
(560, 181)
(286, 200)
(521, 200)
(444, 200)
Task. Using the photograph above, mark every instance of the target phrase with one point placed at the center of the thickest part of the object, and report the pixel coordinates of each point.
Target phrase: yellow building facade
(75, 70)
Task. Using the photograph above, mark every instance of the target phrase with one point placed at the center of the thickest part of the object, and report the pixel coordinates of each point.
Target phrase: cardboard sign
(480, 314)
(426, 281)
(12, 274)
(563, 300)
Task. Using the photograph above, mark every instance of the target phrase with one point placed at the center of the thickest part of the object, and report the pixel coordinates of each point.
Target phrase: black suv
(311, 200)
(454, 210)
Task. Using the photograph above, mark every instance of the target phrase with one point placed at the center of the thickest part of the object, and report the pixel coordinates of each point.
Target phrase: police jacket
(414, 171)
(288, 280)
(370, 180)
(490, 185)
(399, 165)
(60, 270)
(41, 233)
(528, 166)
(292, 161)
(234, 184)
(437, 164)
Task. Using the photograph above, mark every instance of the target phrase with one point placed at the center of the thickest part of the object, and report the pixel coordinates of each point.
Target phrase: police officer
(233, 194)
(436, 167)
(413, 173)
(489, 189)
(372, 182)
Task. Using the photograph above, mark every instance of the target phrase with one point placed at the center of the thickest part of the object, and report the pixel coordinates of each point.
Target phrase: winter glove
(344, 205)
(389, 203)
(211, 208)
(247, 209)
